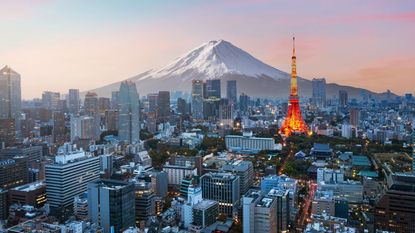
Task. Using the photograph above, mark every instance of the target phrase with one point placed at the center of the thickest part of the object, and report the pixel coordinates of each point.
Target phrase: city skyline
(59, 45)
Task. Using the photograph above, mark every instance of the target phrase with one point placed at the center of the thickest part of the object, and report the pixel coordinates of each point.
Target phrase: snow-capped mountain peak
(213, 60)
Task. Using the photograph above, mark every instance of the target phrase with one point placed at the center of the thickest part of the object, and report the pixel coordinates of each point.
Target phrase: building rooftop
(238, 165)
(111, 184)
(322, 147)
(367, 173)
(30, 187)
(222, 175)
(360, 160)
(205, 204)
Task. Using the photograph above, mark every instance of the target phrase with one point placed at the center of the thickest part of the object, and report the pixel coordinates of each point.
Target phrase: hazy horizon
(58, 45)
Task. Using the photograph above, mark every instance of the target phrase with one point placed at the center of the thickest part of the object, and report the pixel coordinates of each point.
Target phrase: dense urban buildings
(198, 161)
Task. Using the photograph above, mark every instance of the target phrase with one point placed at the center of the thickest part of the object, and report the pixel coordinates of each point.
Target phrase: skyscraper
(231, 92)
(245, 171)
(59, 129)
(197, 99)
(213, 88)
(152, 102)
(223, 188)
(144, 201)
(7, 132)
(50, 100)
(393, 210)
(129, 114)
(243, 102)
(354, 117)
(91, 108)
(73, 168)
(343, 99)
(111, 204)
(10, 94)
(83, 128)
(163, 107)
(114, 100)
(319, 91)
(73, 101)
(91, 105)
(104, 104)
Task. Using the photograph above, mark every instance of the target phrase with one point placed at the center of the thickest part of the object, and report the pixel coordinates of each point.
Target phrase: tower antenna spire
(293, 46)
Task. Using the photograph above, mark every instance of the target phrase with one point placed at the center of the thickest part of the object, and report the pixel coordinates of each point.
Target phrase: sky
(58, 45)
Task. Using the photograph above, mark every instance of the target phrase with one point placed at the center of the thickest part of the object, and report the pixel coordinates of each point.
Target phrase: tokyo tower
(293, 122)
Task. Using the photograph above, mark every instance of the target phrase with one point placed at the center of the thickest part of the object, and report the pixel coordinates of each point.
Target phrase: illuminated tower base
(293, 122)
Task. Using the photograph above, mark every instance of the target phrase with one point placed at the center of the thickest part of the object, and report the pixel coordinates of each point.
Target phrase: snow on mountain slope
(221, 59)
(213, 60)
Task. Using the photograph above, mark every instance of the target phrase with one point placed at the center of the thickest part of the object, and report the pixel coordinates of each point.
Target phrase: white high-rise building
(129, 113)
(194, 196)
(82, 127)
(68, 177)
(347, 131)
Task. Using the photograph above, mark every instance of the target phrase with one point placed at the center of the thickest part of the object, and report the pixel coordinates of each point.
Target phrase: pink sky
(57, 45)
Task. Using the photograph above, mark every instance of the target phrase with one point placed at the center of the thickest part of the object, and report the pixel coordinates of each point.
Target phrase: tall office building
(197, 99)
(111, 204)
(111, 120)
(115, 95)
(129, 113)
(144, 201)
(319, 91)
(213, 89)
(13, 172)
(243, 102)
(394, 210)
(10, 94)
(265, 212)
(73, 101)
(68, 176)
(152, 102)
(354, 117)
(343, 98)
(33, 154)
(205, 213)
(245, 171)
(59, 129)
(226, 111)
(91, 104)
(223, 188)
(7, 132)
(231, 92)
(163, 107)
(104, 104)
(182, 106)
(82, 127)
(50, 100)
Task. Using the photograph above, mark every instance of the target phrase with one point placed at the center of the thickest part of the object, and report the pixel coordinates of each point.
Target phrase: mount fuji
(220, 59)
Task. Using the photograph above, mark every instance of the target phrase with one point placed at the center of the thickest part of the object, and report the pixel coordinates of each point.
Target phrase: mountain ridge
(221, 59)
